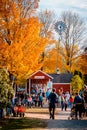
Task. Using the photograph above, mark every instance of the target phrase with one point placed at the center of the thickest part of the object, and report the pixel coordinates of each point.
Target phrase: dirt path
(58, 116)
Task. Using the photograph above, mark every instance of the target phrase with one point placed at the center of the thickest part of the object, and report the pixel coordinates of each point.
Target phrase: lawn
(26, 123)
(23, 124)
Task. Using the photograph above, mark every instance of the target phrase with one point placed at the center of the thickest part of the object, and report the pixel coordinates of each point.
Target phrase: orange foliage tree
(53, 59)
(59, 58)
(20, 42)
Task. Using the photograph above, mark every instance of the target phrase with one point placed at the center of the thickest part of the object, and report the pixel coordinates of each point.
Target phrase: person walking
(62, 102)
(52, 98)
(40, 100)
(78, 105)
(66, 97)
(66, 104)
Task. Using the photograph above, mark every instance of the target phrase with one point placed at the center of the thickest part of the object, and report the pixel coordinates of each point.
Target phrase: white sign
(21, 89)
(49, 84)
(39, 77)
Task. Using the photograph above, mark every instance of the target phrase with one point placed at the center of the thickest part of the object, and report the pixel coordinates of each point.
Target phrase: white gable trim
(41, 72)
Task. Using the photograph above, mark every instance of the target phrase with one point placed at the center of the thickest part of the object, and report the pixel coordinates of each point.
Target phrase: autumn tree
(13, 15)
(22, 58)
(53, 58)
(73, 39)
(20, 40)
(83, 62)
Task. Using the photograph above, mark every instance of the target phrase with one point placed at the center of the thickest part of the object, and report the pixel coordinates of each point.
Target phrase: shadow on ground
(68, 124)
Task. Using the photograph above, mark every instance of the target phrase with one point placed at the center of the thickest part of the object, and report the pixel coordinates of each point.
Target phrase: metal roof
(61, 78)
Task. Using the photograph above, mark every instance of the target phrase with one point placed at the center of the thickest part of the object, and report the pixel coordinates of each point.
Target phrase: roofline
(42, 72)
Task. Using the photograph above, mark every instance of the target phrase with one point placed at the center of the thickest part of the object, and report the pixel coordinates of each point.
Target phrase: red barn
(40, 79)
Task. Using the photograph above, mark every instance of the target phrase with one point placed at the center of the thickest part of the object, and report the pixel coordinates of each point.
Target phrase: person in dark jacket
(52, 100)
(78, 105)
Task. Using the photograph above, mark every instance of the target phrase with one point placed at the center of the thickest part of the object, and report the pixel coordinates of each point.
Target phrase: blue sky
(78, 6)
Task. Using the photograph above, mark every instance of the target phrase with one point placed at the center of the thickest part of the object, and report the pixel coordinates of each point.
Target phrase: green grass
(26, 123)
(23, 124)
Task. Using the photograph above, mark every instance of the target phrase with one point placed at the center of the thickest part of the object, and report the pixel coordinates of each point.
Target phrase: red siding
(66, 87)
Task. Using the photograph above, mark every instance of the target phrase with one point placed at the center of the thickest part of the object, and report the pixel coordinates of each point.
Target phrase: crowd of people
(61, 99)
(78, 101)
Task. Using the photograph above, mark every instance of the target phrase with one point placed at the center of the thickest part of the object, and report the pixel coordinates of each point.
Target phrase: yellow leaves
(52, 61)
(83, 63)
(21, 57)
(20, 40)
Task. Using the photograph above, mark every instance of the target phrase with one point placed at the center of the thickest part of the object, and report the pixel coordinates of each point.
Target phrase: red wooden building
(41, 79)
(38, 80)
(59, 86)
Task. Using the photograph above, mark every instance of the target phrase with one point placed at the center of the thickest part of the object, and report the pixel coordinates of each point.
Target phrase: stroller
(72, 114)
